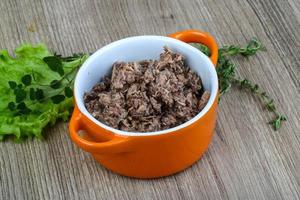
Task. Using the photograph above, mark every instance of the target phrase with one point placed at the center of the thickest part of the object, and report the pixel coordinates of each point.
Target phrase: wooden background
(246, 160)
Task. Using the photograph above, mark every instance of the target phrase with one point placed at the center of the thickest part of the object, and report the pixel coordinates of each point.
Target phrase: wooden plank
(246, 160)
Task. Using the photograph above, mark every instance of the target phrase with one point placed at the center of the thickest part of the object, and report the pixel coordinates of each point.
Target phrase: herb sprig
(29, 90)
(226, 71)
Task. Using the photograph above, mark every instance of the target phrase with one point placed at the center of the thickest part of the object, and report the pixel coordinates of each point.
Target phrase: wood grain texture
(246, 160)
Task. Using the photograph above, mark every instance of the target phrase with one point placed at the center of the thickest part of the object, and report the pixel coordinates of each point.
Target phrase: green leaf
(11, 106)
(20, 95)
(277, 124)
(12, 84)
(68, 92)
(26, 79)
(55, 84)
(255, 88)
(54, 63)
(23, 109)
(32, 94)
(57, 98)
(2, 57)
(21, 105)
(283, 117)
(270, 105)
(39, 94)
(264, 94)
(61, 71)
(204, 49)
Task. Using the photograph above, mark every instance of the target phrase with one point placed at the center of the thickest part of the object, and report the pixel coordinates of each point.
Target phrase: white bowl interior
(135, 49)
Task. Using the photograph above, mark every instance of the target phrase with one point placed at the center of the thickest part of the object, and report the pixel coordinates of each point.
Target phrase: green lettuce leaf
(28, 59)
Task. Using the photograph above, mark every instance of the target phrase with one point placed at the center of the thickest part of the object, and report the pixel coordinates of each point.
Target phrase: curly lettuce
(28, 59)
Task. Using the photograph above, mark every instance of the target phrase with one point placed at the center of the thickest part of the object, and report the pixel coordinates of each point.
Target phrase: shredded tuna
(149, 95)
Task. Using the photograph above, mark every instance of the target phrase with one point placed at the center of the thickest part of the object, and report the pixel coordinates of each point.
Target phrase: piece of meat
(155, 105)
(149, 75)
(169, 120)
(124, 74)
(203, 100)
(149, 95)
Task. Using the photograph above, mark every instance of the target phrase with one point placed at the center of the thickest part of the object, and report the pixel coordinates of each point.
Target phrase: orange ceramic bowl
(152, 154)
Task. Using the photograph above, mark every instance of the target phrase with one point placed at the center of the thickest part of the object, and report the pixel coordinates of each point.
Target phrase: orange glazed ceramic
(151, 154)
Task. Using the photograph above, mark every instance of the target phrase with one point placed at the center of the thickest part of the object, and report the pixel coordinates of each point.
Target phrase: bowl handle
(199, 37)
(116, 144)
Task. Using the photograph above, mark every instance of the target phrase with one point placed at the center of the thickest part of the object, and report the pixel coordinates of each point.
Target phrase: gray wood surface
(246, 160)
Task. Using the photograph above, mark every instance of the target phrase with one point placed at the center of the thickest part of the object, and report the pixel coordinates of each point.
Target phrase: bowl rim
(212, 69)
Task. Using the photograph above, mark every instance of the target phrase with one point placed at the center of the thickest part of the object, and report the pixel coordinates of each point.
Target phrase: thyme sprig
(226, 71)
(266, 100)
